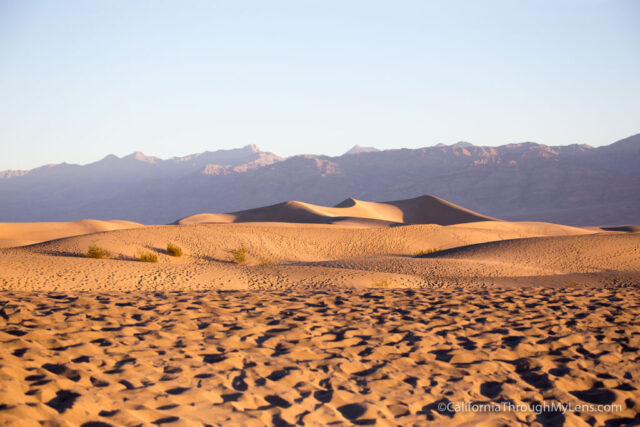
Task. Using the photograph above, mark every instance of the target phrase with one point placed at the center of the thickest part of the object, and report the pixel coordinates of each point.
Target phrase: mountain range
(573, 184)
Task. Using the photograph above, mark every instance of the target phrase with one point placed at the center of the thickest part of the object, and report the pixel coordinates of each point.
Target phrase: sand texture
(349, 323)
(366, 357)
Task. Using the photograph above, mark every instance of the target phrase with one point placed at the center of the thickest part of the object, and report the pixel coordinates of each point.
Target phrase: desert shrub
(427, 252)
(148, 257)
(97, 252)
(381, 283)
(265, 262)
(239, 255)
(174, 250)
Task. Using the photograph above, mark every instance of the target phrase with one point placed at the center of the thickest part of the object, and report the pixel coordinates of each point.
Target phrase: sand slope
(316, 255)
(421, 210)
(27, 233)
(563, 253)
(550, 261)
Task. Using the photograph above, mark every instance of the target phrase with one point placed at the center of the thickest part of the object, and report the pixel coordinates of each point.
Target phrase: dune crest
(28, 233)
(420, 210)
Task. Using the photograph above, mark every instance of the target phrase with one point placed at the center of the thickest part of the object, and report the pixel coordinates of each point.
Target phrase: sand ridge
(27, 233)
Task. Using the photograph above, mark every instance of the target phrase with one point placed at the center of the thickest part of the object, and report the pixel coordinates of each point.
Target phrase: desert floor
(322, 324)
(383, 357)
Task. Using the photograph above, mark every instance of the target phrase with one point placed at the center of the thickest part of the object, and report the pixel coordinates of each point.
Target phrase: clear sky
(82, 79)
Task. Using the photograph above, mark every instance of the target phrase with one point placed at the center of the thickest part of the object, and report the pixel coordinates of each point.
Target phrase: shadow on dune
(64, 254)
(625, 228)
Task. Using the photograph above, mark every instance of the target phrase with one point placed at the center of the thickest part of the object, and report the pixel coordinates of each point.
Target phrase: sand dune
(562, 253)
(290, 255)
(579, 260)
(290, 242)
(27, 233)
(324, 323)
(421, 210)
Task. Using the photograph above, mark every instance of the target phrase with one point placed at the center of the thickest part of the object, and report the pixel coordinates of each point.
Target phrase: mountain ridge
(574, 184)
(356, 149)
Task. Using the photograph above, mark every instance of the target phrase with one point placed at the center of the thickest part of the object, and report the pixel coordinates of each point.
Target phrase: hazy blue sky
(81, 79)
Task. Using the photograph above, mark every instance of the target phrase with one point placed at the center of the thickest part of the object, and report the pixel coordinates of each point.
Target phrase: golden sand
(323, 324)
(383, 357)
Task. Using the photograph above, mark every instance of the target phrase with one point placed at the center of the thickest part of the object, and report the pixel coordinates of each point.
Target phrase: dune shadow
(214, 259)
(441, 253)
(64, 254)
(625, 228)
(123, 257)
(156, 249)
(69, 254)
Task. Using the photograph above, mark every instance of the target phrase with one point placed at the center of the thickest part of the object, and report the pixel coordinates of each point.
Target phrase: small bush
(148, 257)
(98, 253)
(265, 262)
(174, 250)
(239, 255)
(381, 283)
(427, 252)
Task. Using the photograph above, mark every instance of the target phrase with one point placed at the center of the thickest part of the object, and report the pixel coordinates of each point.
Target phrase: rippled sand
(316, 357)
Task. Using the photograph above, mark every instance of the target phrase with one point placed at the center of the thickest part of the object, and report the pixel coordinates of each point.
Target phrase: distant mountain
(57, 192)
(574, 184)
(357, 149)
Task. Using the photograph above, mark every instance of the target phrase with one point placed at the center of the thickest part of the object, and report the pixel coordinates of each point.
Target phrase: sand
(314, 255)
(27, 233)
(357, 322)
(368, 357)
(420, 210)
